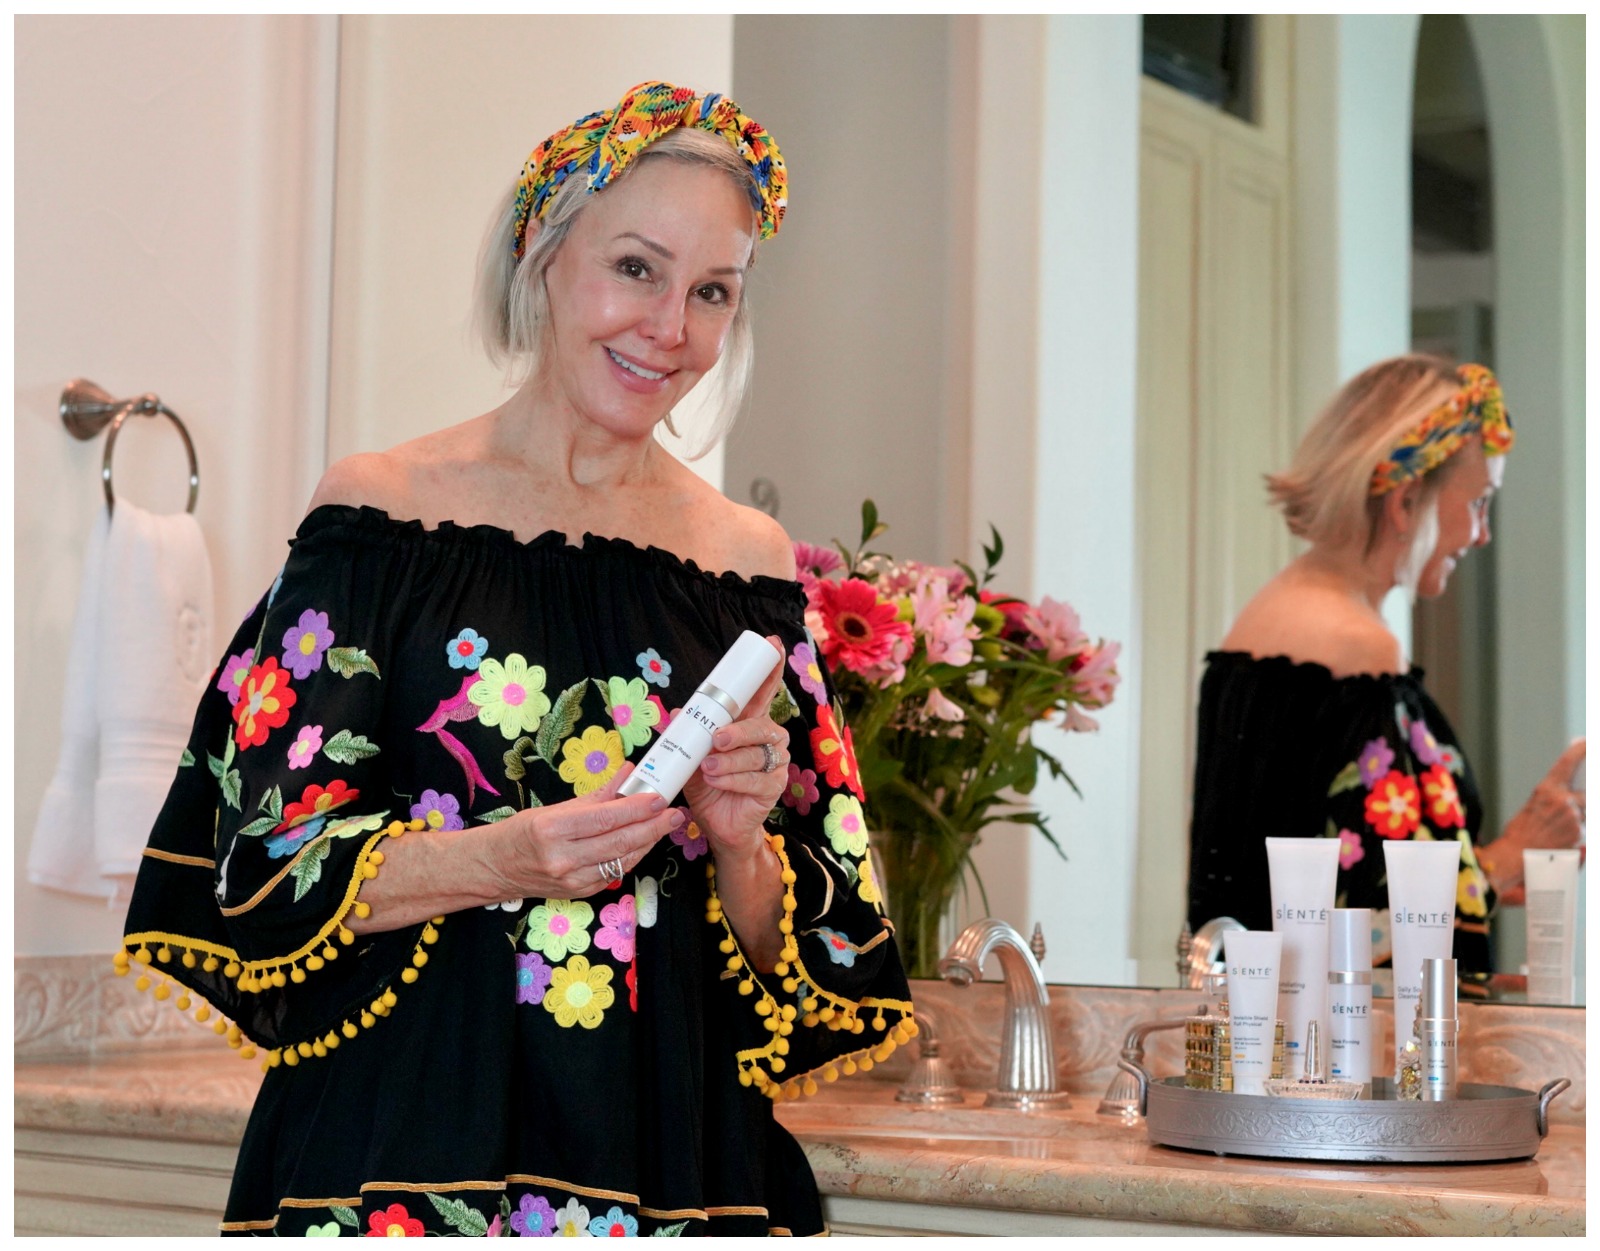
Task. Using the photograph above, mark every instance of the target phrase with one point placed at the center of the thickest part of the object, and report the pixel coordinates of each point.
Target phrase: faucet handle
(1036, 943)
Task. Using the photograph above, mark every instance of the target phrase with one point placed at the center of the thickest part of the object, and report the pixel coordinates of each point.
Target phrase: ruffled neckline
(377, 523)
(1287, 666)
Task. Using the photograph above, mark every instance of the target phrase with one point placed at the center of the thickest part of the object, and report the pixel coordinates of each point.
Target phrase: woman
(1311, 721)
(493, 995)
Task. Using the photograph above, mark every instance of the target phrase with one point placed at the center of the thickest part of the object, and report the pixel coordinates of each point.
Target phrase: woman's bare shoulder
(765, 545)
(1316, 625)
(374, 479)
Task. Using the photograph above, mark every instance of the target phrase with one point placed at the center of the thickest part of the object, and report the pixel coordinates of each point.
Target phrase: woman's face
(643, 292)
(1470, 483)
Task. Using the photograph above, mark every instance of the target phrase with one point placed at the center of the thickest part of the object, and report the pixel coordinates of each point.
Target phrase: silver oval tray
(1481, 1123)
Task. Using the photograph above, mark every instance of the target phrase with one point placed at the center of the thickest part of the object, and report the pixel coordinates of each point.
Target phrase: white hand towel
(62, 854)
(154, 660)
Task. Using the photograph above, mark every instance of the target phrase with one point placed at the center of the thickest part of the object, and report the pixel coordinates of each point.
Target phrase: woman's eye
(713, 293)
(633, 267)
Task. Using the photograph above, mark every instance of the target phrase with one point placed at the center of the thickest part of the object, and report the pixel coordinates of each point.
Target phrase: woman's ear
(1400, 507)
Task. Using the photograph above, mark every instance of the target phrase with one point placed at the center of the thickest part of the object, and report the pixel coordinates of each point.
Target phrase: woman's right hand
(556, 851)
(1553, 817)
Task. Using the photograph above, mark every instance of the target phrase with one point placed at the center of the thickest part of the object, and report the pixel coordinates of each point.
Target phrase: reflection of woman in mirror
(496, 996)
(1312, 722)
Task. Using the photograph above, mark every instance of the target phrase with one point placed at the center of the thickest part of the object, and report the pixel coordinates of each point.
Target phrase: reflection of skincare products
(1350, 996)
(1552, 885)
(1313, 1082)
(1437, 1028)
(1304, 874)
(1252, 962)
(1422, 916)
(717, 701)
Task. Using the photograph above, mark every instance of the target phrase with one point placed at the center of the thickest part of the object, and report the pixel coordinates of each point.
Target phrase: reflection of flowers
(579, 994)
(652, 668)
(573, 1221)
(305, 748)
(835, 756)
(589, 760)
(616, 932)
(689, 837)
(632, 711)
(801, 792)
(614, 1224)
(230, 678)
(845, 825)
(1471, 893)
(1441, 798)
(441, 812)
(534, 1217)
(510, 695)
(1374, 762)
(394, 1222)
(559, 927)
(533, 978)
(467, 650)
(1350, 849)
(305, 642)
(803, 660)
(264, 703)
(1423, 744)
(1393, 806)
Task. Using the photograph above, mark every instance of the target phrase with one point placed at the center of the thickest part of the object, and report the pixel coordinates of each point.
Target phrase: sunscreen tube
(1422, 919)
(1552, 883)
(1350, 996)
(718, 700)
(1252, 963)
(1304, 875)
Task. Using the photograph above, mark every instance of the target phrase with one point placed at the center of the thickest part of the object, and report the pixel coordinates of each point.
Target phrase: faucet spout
(1027, 1075)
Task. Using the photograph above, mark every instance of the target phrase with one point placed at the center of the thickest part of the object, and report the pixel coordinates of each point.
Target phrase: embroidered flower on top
(614, 1224)
(652, 668)
(846, 825)
(534, 1217)
(1441, 800)
(1375, 761)
(467, 650)
(230, 678)
(305, 747)
(316, 801)
(579, 994)
(559, 927)
(533, 977)
(441, 812)
(633, 711)
(589, 759)
(292, 840)
(646, 901)
(617, 927)
(572, 1221)
(394, 1222)
(1393, 807)
(631, 978)
(1472, 893)
(840, 949)
(803, 660)
(305, 642)
(801, 791)
(1423, 745)
(510, 695)
(1350, 849)
(264, 703)
(833, 753)
(690, 838)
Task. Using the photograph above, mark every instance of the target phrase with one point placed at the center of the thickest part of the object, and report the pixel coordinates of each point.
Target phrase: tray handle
(1547, 1092)
(1141, 1075)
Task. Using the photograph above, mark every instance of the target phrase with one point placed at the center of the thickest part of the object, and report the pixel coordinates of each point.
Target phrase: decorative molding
(70, 1007)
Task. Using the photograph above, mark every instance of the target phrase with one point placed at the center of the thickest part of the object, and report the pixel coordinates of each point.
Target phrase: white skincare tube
(1305, 874)
(1252, 964)
(1350, 996)
(1422, 919)
(718, 700)
(1552, 883)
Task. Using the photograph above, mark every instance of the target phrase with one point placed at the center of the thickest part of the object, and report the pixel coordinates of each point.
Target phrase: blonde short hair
(511, 306)
(1325, 494)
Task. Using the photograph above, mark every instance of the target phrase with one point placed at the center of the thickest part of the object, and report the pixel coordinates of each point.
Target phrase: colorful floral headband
(604, 144)
(1477, 407)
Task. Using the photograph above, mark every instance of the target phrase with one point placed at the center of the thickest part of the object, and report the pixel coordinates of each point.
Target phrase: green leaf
(505, 1216)
(307, 870)
(459, 1216)
(517, 759)
(671, 1231)
(257, 828)
(993, 551)
(344, 1215)
(232, 751)
(499, 814)
(347, 749)
(869, 522)
(520, 928)
(1348, 779)
(783, 709)
(272, 804)
(216, 766)
(232, 785)
(560, 721)
(187, 760)
(349, 661)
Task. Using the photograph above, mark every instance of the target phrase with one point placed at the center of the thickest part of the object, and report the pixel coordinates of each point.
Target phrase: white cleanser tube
(716, 701)
(1422, 920)
(1252, 964)
(1305, 873)
(1552, 883)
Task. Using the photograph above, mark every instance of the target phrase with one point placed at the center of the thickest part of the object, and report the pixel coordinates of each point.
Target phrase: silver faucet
(1027, 1076)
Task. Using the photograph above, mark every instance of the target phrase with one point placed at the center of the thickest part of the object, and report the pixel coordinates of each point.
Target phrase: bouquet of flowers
(939, 682)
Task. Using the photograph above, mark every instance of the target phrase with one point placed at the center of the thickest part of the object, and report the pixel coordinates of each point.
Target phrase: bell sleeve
(837, 1000)
(275, 821)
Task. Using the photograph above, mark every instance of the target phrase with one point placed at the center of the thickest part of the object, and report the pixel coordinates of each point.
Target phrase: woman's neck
(553, 440)
(1367, 576)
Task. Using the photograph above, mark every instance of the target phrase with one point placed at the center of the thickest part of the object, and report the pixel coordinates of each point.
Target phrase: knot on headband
(602, 145)
(1477, 407)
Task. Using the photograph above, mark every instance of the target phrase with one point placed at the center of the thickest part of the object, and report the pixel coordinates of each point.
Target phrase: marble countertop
(860, 1142)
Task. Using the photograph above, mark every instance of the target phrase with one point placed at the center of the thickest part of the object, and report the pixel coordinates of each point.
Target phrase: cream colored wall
(436, 117)
(173, 198)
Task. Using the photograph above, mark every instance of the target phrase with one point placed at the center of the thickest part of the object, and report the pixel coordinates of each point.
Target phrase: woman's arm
(1552, 817)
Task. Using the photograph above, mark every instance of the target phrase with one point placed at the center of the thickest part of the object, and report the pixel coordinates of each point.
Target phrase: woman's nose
(664, 324)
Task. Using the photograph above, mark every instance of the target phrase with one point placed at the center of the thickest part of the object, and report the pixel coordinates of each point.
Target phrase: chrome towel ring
(86, 410)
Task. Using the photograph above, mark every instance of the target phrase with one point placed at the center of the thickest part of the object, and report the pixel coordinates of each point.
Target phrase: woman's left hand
(733, 790)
